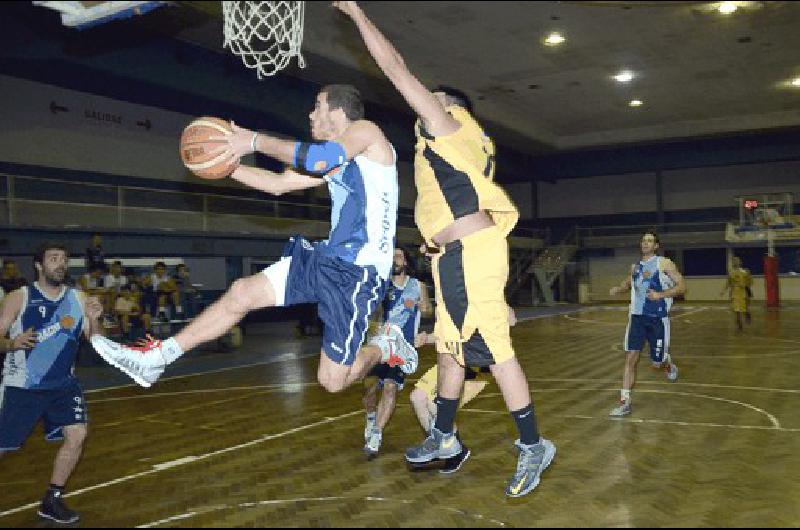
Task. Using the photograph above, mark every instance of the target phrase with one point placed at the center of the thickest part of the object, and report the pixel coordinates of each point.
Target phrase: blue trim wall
(748, 148)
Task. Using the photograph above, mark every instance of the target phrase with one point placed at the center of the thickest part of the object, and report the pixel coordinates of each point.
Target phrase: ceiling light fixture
(796, 82)
(554, 39)
(625, 76)
(727, 8)
(636, 103)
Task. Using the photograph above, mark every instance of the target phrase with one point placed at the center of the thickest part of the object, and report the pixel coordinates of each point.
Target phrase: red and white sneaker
(672, 372)
(624, 409)
(396, 350)
(144, 362)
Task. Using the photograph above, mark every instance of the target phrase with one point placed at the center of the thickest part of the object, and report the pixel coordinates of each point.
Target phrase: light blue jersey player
(654, 282)
(405, 301)
(44, 323)
(345, 275)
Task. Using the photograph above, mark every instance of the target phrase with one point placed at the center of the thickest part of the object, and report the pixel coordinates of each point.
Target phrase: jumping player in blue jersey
(405, 302)
(653, 283)
(44, 323)
(345, 275)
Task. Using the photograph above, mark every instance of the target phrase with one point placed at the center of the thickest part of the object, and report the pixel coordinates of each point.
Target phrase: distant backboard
(766, 210)
(82, 15)
(765, 218)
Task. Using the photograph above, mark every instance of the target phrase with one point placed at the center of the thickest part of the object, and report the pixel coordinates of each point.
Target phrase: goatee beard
(53, 282)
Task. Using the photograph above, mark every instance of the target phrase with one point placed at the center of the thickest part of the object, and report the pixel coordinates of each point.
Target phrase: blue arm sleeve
(319, 158)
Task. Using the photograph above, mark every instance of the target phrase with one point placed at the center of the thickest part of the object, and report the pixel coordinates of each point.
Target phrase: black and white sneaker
(54, 509)
(453, 464)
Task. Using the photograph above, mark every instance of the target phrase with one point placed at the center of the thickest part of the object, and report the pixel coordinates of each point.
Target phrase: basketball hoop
(266, 35)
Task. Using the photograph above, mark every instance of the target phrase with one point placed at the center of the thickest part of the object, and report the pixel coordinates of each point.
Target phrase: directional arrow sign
(55, 108)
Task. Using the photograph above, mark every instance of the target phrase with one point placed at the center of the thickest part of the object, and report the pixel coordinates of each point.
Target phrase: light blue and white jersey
(649, 275)
(58, 324)
(364, 214)
(401, 307)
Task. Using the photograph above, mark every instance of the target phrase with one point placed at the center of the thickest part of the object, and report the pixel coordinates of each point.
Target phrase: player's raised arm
(425, 104)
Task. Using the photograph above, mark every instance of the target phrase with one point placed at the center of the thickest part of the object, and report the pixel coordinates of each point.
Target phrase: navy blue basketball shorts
(346, 294)
(21, 410)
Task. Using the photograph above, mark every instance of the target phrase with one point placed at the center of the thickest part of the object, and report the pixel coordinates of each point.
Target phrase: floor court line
(617, 348)
(677, 383)
(157, 468)
(215, 371)
(773, 420)
(277, 387)
(283, 358)
(274, 502)
(621, 322)
(644, 420)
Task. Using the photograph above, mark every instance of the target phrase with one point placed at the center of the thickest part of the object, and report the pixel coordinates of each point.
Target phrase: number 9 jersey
(58, 324)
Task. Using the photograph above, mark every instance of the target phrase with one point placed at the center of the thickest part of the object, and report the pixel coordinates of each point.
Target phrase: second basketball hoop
(266, 35)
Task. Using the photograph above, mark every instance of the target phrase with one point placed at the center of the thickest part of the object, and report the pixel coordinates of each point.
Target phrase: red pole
(771, 284)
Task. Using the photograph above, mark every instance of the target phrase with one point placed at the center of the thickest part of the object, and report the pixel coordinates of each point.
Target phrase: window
(705, 262)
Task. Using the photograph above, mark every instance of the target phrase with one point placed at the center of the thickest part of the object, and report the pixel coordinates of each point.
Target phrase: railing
(44, 202)
(584, 232)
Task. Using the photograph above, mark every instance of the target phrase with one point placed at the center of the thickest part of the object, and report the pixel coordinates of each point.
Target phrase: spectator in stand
(134, 323)
(95, 256)
(11, 280)
(113, 282)
(159, 290)
(92, 282)
(187, 294)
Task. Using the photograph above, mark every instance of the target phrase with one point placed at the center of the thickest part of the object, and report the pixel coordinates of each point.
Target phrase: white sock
(625, 395)
(371, 416)
(178, 309)
(162, 310)
(171, 350)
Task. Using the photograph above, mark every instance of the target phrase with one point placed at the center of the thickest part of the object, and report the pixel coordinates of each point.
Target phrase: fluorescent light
(625, 76)
(727, 8)
(796, 82)
(636, 103)
(554, 39)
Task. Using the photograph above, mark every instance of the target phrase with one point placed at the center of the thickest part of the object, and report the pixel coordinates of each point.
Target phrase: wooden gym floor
(263, 445)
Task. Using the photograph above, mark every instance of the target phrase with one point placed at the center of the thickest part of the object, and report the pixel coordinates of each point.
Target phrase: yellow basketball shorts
(739, 303)
(427, 383)
(471, 312)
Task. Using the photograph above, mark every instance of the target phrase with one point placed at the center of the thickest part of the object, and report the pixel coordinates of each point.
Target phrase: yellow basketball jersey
(740, 280)
(454, 175)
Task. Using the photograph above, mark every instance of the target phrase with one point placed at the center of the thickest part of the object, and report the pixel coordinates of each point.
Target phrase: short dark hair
(42, 249)
(455, 97)
(160, 264)
(347, 98)
(654, 234)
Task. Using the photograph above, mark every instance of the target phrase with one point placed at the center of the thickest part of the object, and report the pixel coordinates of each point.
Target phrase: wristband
(253, 141)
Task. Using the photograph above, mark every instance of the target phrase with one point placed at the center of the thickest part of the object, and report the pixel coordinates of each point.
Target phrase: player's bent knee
(75, 436)
(390, 389)
(248, 294)
(419, 396)
(332, 385)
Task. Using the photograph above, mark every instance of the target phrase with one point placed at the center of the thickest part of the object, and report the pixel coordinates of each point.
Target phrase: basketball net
(266, 35)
